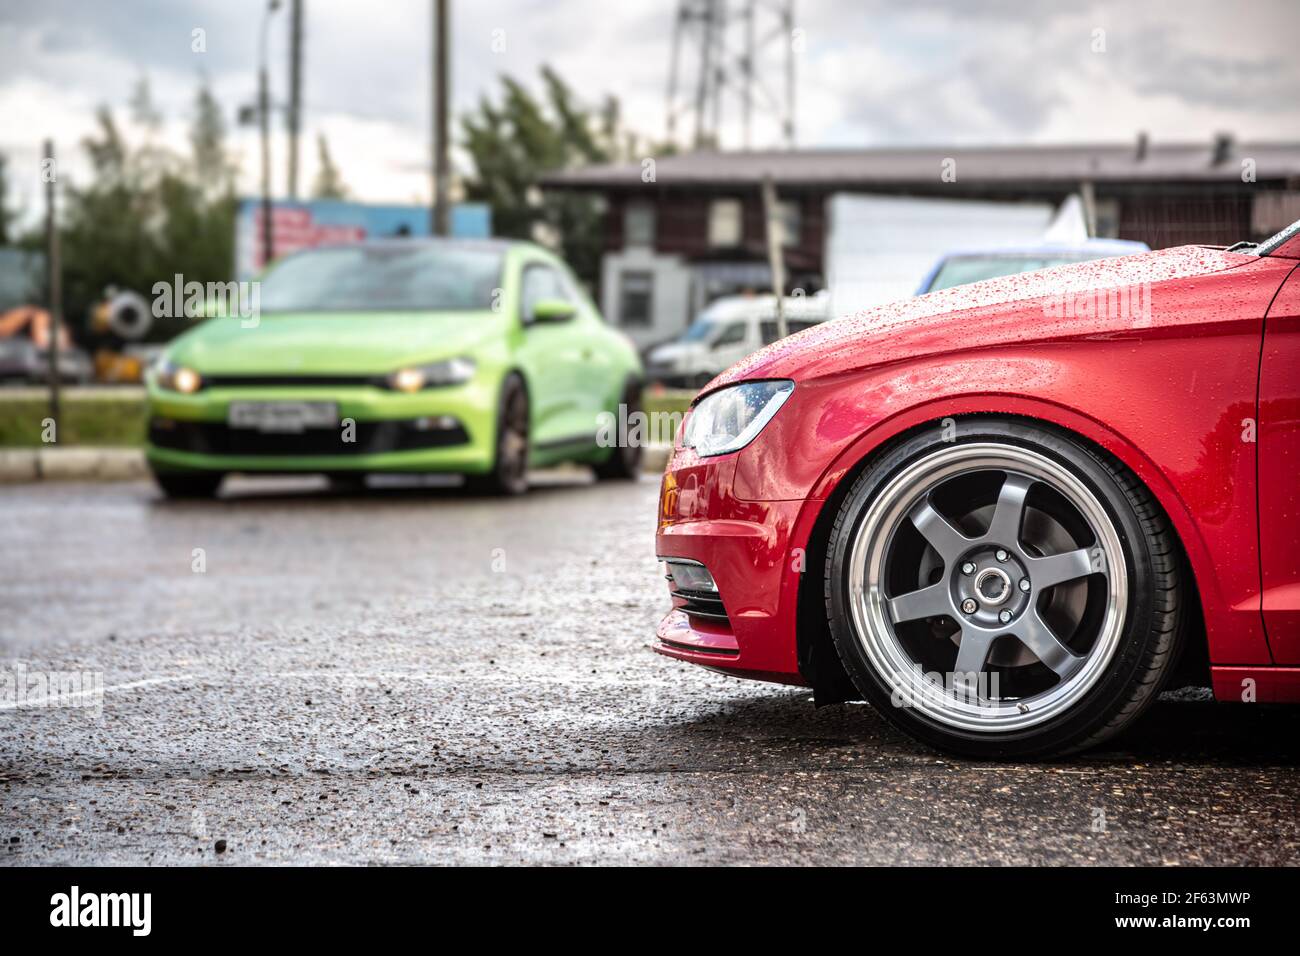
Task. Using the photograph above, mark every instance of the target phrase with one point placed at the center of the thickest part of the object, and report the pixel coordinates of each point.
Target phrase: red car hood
(1093, 299)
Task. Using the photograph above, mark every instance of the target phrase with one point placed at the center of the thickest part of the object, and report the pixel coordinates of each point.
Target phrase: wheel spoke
(930, 601)
(1035, 634)
(1058, 568)
(936, 529)
(972, 652)
(1010, 511)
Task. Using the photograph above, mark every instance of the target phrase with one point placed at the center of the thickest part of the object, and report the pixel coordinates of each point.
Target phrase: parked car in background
(1004, 513)
(22, 361)
(976, 265)
(25, 349)
(407, 355)
(729, 329)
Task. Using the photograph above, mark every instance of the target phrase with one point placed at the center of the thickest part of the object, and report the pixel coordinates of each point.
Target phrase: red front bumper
(753, 550)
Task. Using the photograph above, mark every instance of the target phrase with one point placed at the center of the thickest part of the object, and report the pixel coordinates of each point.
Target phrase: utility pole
(747, 72)
(1088, 196)
(775, 250)
(788, 124)
(295, 93)
(718, 23)
(670, 112)
(264, 121)
(55, 280)
(702, 88)
(264, 118)
(441, 216)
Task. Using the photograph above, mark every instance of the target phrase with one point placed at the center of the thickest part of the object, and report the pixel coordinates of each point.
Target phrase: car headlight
(455, 371)
(732, 417)
(177, 378)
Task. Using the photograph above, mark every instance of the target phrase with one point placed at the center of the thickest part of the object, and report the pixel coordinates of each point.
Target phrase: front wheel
(624, 461)
(1010, 593)
(509, 474)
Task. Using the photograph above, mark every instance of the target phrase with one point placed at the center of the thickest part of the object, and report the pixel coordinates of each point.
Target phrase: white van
(729, 329)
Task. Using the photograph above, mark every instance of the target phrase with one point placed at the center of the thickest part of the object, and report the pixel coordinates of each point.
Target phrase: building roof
(1161, 162)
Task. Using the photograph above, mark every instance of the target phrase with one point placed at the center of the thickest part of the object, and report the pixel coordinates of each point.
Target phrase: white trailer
(879, 248)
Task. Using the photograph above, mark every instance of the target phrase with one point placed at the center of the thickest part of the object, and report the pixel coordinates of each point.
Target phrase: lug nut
(969, 606)
(1024, 584)
(1002, 555)
(1005, 617)
(968, 568)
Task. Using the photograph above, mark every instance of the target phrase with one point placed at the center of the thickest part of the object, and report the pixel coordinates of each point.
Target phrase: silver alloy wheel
(979, 588)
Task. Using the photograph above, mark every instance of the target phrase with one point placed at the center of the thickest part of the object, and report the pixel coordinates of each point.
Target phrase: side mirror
(552, 310)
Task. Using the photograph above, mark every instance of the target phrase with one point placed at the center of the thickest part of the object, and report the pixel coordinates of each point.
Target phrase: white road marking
(428, 677)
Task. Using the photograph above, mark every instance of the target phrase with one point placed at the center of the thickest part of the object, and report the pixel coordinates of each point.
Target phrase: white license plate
(282, 417)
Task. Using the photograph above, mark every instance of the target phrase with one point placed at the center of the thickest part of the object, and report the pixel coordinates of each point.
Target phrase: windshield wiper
(1244, 244)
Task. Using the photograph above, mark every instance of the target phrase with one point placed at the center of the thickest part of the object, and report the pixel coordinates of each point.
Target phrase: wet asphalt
(417, 676)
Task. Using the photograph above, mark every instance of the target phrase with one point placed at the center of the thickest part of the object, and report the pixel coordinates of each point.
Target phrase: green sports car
(406, 355)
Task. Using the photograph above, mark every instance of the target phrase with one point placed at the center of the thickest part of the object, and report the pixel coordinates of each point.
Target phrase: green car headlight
(455, 371)
(177, 378)
(731, 418)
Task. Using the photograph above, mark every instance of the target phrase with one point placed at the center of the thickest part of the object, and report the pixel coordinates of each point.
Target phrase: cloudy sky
(869, 71)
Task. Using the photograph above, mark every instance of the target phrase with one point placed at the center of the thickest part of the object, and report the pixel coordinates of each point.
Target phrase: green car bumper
(450, 429)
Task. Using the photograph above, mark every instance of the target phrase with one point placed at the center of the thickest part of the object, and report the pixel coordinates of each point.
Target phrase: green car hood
(333, 343)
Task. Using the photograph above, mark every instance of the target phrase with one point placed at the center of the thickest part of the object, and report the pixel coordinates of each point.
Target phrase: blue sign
(318, 222)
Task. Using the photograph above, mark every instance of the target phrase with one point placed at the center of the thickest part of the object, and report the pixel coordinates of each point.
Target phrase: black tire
(509, 474)
(347, 483)
(624, 462)
(189, 485)
(1149, 632)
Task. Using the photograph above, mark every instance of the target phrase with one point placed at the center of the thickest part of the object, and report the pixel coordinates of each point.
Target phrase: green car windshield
(414, 277)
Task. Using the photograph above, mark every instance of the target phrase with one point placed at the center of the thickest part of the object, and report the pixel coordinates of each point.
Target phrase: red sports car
(1005, 514)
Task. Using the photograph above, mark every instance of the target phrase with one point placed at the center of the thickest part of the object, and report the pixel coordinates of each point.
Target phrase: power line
(721, 54)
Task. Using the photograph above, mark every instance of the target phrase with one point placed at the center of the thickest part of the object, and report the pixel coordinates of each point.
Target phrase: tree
(514, 142)
(144, 112)
(149, 212)
(212, 164)
(8, 215)
(329, 182)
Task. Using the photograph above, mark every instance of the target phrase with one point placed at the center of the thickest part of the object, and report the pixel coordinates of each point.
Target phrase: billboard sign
(303, 225)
